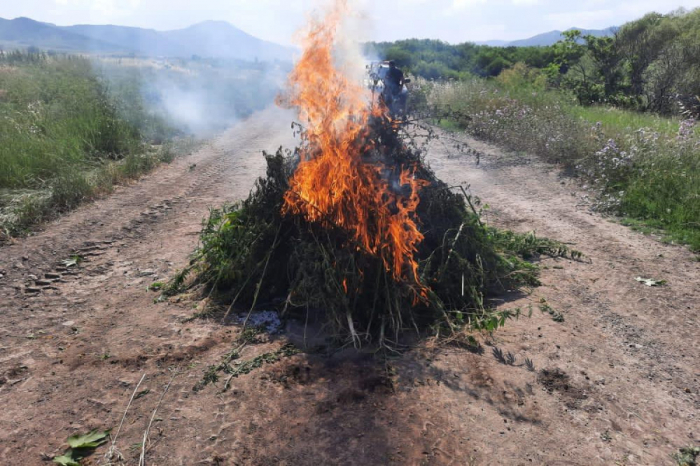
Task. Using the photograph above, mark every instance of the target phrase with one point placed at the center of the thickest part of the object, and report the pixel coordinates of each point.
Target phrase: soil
(615, 383)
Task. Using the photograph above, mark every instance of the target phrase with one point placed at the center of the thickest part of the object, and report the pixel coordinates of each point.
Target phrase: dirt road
(615, 383)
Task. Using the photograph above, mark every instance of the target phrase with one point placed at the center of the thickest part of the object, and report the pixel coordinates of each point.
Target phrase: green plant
(80, 447)
(155, 286)
(686, 456)
(546, 308)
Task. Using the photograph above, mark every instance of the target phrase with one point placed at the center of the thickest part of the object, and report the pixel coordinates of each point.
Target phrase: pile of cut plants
(354, 226)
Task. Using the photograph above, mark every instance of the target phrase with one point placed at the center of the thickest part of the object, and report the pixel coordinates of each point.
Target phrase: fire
(333, 185)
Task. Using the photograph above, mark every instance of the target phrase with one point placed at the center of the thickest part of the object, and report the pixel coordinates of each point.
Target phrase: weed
(68, 135)
(686, 456)
(211, 376)
(80, 447)
(155, 286)
(546, 308)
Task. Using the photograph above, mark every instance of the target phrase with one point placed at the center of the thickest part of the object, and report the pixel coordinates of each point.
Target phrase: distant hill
(217, 39)
(148, 42)
(221, 39)
(548, 38)
(25, 32)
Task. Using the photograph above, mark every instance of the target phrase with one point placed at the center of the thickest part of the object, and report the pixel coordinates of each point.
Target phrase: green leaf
(66, 459)
(90, 440)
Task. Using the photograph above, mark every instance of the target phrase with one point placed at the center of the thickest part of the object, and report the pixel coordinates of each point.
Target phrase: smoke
(197, 97)
(206, 93)
(355, 29)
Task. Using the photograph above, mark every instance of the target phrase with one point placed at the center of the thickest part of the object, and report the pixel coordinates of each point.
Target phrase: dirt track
(619, 386)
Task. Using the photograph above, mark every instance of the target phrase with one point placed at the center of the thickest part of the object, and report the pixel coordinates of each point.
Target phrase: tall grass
(646, 167)
(62, 135)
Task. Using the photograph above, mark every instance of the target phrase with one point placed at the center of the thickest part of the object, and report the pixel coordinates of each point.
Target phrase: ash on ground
(270, 320)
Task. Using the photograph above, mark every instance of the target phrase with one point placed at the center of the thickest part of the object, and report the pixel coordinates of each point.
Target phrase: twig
(449, 254)
(469, 201)
(262, 277)
(112, 449)
(142, 458)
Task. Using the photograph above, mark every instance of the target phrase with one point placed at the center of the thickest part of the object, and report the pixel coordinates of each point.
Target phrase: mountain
(215, 39)
(147, 42)
(548, 38)
(25, 32)
(221, 39)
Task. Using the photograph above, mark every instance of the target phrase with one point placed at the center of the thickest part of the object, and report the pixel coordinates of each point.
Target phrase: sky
(454, 21)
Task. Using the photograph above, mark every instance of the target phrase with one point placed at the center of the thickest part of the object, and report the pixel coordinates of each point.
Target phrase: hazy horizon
(273, 20)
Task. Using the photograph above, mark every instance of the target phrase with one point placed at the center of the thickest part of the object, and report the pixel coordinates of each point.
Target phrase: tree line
(651, 64)
(435, 59)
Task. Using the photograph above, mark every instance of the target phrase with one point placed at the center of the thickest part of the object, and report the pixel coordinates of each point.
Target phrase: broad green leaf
(66, 459)
(90, 440)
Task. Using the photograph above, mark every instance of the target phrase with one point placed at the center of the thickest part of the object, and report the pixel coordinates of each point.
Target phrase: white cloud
(584, 19)
(463, 4)
(102, 8)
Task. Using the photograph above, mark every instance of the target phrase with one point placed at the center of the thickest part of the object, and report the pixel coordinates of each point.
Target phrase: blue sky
(276, 20)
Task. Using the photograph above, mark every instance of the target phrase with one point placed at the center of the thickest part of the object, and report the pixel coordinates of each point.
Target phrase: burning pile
(354, 224)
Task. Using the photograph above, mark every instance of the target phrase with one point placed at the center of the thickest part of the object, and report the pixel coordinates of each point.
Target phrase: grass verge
(646, 167)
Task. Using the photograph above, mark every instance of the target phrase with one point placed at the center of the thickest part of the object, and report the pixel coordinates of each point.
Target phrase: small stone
(42, 282)
(31, 276)
(146, 272)
(30, 289)
(52, 276)
(68, 323)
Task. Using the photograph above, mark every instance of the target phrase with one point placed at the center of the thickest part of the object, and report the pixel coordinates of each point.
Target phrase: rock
(42, 282)
(52, 276)
(31, 276)
(68, 323)
(30, 289)
(146, 272)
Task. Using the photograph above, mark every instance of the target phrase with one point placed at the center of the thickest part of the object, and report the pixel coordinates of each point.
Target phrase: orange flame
(332, 184)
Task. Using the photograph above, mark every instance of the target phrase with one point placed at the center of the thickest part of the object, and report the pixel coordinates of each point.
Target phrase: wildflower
(686, 129)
